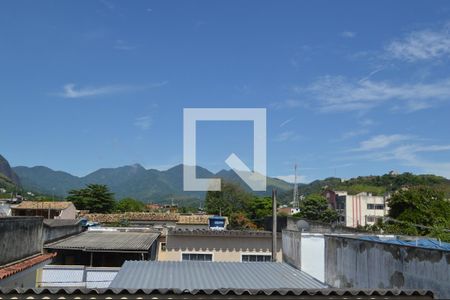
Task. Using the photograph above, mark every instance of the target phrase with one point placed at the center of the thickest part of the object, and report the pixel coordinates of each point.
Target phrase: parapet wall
(291, 241)
(360, 264)
(20, 237)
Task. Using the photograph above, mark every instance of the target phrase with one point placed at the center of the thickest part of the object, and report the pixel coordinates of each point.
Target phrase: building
(357, 210)
(105, 248)
(218, 246)
(371, 262)
(55, 229)
(48, 210)
(21, 252)
(190, 276)
(52, 276)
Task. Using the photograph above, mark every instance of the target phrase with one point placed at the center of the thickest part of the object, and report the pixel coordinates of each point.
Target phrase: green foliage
(130, 204)
(239, 221)
(259, 208)
(315, 207)
(95, 197)
(419, 211)
(231, 199)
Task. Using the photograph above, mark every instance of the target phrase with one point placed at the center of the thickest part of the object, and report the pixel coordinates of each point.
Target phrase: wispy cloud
(337, 93)
(143, 123)
(347, 34)
(285, 122)
(123, 45)
(287, 136)
(381, 141)
(353, 133)
(70, 90)
(421, 45)
(289, 103)
(291, 178)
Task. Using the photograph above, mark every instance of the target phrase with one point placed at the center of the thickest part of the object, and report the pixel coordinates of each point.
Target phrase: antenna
(295, 195)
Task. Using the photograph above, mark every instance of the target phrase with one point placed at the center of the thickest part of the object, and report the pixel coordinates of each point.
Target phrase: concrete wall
(68, 213)
(53, 233)
(20, 237)
(291, 244)
(319, 227)
(354, 263)
(305, 252)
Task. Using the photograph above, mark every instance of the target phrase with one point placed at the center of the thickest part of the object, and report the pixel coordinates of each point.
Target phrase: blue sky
(351, 88)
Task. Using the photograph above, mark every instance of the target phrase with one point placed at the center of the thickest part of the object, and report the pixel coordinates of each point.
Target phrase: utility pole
(295, 203)
(274, 225)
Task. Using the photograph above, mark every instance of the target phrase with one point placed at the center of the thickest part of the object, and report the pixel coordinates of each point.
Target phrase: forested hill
(377, 185)
(8, 178)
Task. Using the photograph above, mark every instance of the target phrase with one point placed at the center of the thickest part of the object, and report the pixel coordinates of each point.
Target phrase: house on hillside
(48, 210)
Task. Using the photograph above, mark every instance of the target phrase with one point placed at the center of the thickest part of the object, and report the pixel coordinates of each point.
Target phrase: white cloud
(289, 103)
(348, 34)
(286, 122)
(143, 123)
(381, 141)
(71, 91)
(353, 133)
(421, 45)
(337, 93)
(123, 45)
(287, 136)
(291, 178)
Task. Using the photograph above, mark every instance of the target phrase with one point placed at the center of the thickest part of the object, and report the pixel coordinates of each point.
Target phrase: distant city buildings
(357, 210)
(48, 210)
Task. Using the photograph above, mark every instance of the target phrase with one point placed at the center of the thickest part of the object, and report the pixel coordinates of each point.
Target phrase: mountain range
(130, 181)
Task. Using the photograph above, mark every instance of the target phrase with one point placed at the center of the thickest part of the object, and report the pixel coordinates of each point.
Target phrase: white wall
(313, 255)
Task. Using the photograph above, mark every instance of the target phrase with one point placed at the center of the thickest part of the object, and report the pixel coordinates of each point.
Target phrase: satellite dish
(302, 225)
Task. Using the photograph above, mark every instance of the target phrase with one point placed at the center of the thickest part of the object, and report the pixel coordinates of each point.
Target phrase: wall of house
(53, 233)
(356, 211)
(291, 241)
(354, 263)
(68, 213)
(20, 237)
(319, 227)
(217, 255)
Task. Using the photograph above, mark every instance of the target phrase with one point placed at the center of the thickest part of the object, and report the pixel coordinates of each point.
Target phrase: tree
(259, 208)
(315, 207)
(423, 206)
(239, 221)
(95, 197)
(231, 199)
(130, 204)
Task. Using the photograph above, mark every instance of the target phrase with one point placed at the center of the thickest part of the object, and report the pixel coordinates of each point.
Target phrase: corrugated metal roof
(39, 293)
(107, 240)
(422, 242)
(191, 275)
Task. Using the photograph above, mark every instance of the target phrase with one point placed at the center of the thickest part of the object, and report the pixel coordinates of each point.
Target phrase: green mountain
(377, 185)
(8, 178)
(131, 181)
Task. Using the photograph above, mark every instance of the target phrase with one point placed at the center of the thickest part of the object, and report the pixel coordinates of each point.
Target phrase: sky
(351, 88)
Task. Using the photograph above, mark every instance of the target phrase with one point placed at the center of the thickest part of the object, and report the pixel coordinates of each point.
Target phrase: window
(163, 246)
(256, 258)
(371, 219)
(375, 206)
(196, 256)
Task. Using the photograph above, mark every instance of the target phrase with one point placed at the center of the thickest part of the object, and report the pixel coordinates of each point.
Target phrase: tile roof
(107, 240)
(221, 233)
(193, 275)
(24, 264)
(56, 205)
(133, 216)
(329, 293)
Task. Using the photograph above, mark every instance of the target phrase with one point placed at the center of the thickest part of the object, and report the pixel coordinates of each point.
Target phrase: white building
(360, 209)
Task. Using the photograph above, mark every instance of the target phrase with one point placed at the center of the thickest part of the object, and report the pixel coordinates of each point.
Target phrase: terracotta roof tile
(24, 264)
(57, 205)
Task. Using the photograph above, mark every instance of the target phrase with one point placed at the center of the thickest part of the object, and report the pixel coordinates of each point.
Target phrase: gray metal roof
(97, 294)
(192, 275)
(107, 241)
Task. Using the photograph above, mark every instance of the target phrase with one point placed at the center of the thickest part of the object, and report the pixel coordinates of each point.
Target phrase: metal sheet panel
(190, 275)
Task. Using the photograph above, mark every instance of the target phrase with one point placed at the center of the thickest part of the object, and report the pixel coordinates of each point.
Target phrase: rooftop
(192, 276)
(24, 264)
(57, 205)
(420, 242)
(221, 233)
(107, 240)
